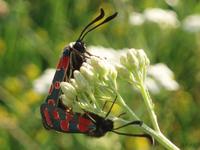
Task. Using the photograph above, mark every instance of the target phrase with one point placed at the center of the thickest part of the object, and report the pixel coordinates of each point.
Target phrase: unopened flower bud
(66, 101)
(87, 73)
(81, 81)
(142, 57)
(100, 66)
(132, 59)
(68, 90)
(93, 61)
(73, 82)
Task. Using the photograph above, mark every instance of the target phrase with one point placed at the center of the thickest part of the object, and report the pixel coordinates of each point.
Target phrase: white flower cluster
(160, 77)
(157, 74)
(134, 66)
(95, 83)
(164, 18)
(42, 84)
(92, 86)
(192, 23)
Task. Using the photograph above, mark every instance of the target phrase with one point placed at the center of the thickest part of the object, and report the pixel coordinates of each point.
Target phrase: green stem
(126, 106)
(160, 138)
(95, 103)
(149, 106)
(157, 134)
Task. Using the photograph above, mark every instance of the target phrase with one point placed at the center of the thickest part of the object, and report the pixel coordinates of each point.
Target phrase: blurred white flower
(152, 85)
(192, 23)
(136, 18)
(165, 18)
(42, 84)
(159, 76)
(172, 2)
(112, 55)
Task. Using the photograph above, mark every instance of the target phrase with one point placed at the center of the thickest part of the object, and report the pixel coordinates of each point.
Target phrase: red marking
(57, 85)
(63, 63)
(47, 117)
(68, 116)
(64, 125)
(51, 102)
(56, 115)
(84, 124)
(51, 89)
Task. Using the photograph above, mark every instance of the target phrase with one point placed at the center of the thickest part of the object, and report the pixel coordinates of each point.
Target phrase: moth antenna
(149, 137)
(101, 15)
(110, 108)
(103, 22)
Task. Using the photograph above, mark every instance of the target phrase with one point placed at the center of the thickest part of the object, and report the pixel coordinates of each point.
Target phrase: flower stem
(157, 134)
(160, 138)
(149, 106)
(126, 107)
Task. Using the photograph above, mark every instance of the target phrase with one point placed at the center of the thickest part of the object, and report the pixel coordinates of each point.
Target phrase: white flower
(42, 84)
(165, 18)
(68, 90)
(172, 2)
(192, 23)
(152, 85)
(160, 76)
(81, 81)
(136, 18)
(87, 73)
(109, 54)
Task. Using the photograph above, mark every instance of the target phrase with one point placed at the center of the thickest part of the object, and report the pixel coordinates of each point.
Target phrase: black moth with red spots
(55, 115)
(59, 117)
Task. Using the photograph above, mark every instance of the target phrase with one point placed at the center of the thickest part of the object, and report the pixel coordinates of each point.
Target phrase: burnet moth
(57, 116)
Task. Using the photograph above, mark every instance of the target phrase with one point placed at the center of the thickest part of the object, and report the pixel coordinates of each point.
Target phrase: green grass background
(32, 35)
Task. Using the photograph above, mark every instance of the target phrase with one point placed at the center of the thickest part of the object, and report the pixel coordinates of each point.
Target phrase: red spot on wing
(57, 85)
(51, 102)
(84, 124)
(68, 116)
(56, 115)
(64, 124)
(47, 117)
(63, 63)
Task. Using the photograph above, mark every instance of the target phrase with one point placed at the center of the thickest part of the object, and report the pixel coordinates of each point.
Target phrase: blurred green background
(32, 35)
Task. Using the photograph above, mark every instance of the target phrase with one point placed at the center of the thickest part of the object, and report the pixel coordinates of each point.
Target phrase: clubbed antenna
(103, 22)
(101, 15)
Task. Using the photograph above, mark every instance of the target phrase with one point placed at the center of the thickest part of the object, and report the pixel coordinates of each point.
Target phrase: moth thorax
(79, 46)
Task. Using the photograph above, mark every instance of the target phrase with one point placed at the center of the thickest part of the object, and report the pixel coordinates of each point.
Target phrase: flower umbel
(134, 65)
(96, 84)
